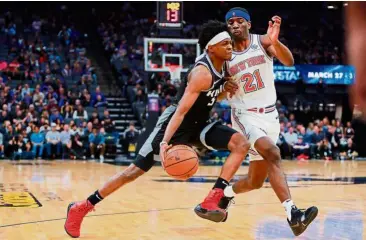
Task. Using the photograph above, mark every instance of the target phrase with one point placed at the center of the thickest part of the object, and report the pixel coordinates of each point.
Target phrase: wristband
(162, 143)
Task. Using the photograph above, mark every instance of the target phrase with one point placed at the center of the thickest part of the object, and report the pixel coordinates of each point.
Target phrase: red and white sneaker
(209, 209)
(75, 215)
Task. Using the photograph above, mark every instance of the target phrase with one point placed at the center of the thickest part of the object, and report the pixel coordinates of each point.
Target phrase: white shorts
(254, 126)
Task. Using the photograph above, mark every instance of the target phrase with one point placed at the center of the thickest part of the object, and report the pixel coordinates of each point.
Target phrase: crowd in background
(51, 106)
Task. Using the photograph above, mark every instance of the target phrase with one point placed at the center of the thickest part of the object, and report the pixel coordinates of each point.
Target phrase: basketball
(181, 162)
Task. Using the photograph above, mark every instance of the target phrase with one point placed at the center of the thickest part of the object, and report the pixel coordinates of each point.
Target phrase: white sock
(287, 204)
(229, 192)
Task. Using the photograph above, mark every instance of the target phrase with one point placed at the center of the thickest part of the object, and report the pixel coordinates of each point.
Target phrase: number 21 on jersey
(252, 82)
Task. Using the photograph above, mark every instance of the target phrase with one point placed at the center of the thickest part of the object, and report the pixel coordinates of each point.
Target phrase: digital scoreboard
(170, 15)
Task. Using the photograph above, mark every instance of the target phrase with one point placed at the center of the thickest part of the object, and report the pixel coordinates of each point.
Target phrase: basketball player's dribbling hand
(163, 148)
(273, 30)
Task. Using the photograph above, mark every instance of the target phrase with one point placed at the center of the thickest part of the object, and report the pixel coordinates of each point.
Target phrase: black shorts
(213, 136)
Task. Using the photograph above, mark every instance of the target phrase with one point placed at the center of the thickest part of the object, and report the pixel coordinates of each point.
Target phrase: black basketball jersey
(200, 111)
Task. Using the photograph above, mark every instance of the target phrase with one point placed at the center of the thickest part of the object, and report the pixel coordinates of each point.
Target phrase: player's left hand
(230, 86)
(273, 30)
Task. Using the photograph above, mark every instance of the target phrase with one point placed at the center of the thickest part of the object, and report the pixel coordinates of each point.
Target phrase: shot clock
(170, 15)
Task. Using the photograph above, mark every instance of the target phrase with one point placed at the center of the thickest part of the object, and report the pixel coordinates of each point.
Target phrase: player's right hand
(163, 148)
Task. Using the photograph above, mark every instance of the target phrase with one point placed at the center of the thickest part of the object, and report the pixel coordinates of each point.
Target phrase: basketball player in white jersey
(254, 112)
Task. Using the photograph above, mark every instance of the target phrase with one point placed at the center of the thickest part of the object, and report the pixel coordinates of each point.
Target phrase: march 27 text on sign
(331, 74)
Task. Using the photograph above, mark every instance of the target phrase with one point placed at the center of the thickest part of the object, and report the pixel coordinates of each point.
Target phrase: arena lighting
(345, 4)
(330, 7)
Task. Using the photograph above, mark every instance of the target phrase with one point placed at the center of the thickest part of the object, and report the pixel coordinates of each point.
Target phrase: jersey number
(212, 102)
(249, 84)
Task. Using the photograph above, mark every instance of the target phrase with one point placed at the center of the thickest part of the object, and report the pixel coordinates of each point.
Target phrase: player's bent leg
(76, 211)
(257, 174)
(118, 180)
(271, 153)
(297, 219)
(222, 137)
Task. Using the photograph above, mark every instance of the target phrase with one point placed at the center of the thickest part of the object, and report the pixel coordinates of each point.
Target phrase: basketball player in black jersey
(185, 122)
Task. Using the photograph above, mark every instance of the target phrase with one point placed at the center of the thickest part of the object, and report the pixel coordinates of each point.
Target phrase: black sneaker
(297, 225)
(224, 204)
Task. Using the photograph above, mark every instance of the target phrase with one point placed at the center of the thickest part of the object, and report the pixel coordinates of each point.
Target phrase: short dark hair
(209, 30)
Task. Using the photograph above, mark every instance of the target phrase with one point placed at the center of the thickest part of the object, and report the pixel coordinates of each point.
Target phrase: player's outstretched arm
(199, 79)
(273, 45)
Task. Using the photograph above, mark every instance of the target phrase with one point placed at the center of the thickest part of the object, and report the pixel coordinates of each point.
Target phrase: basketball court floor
(34, 197)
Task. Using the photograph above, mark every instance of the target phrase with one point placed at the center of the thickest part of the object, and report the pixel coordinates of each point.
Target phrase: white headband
(218, 38)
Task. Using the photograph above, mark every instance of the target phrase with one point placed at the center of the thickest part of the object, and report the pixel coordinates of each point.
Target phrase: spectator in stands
(100, 102)
(348, 151)
(349, 132)
(80, 114)
(8, 137)
(109, 127)
(169, 88)
(77, 149)
(66, 71)
(342, 146)
(20, 149)
(56, 116)
(292, 120)
(65, 139)
(291, 139)
(78, 129)
(36, 25)
(301, 149)
(281, 108)
(96, 94)
(140, 96)
(67, 111)
(25, 90)
(53, 142)
(38, 97)
(282, 118)
(37, 139)
(317, 138)
(130, 137)
(18, 128)
(94, 116)
(97, 143)
(86, 99)
(33, 114)
(325, 149)
(306, 136)
(4, 116)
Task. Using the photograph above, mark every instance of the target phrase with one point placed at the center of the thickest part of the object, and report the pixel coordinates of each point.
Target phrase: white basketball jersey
(253, 71)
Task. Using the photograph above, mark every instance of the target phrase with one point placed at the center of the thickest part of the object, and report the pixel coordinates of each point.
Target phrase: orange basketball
(181, 162)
